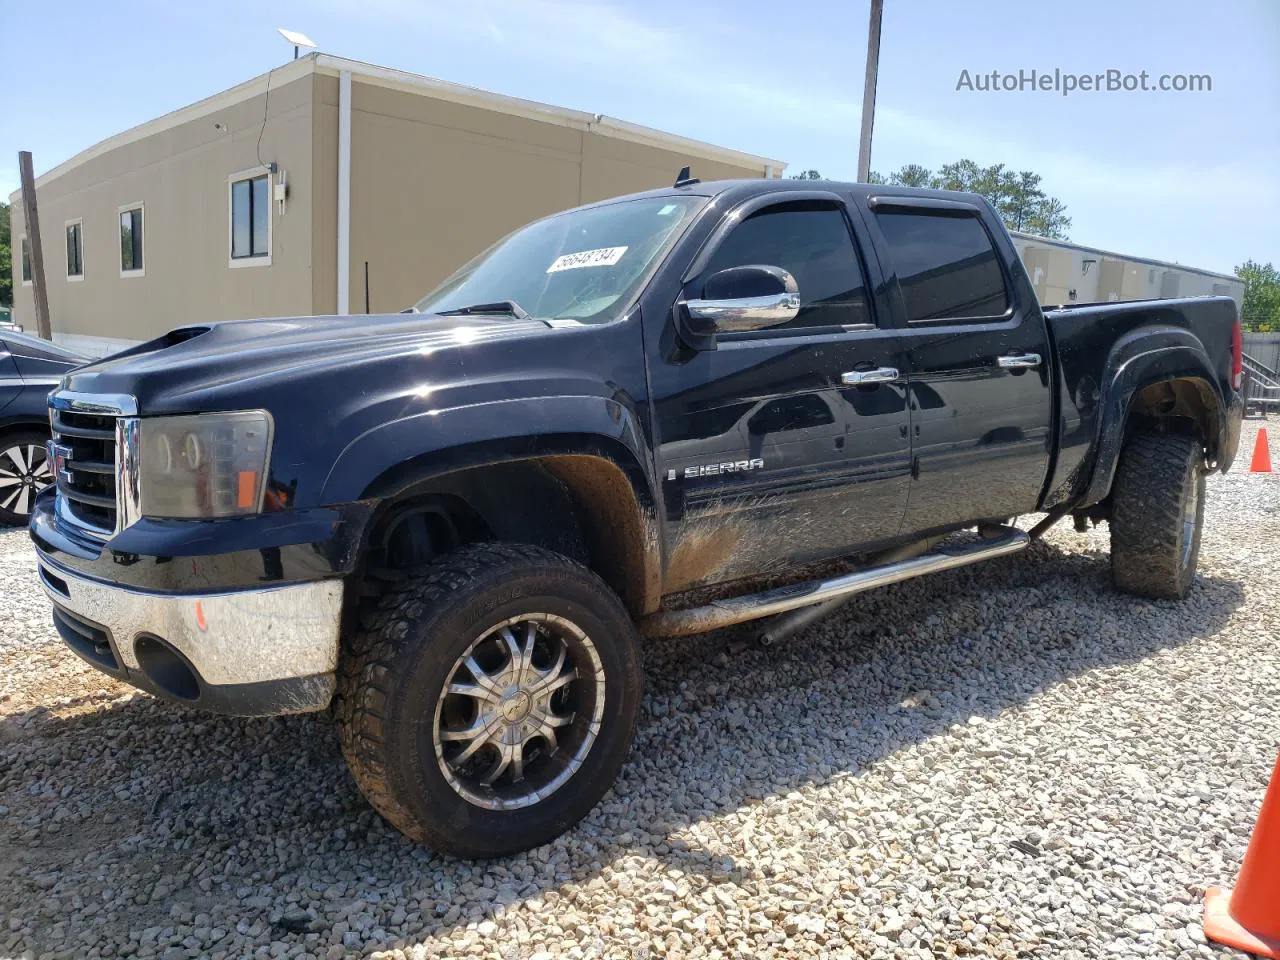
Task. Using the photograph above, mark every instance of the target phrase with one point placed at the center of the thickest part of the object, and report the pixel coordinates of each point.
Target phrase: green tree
(6, 259)
(913, 175)
(1016, 194)
(1261, 310)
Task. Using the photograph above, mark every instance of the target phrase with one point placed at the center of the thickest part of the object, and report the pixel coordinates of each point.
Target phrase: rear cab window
(946, 263)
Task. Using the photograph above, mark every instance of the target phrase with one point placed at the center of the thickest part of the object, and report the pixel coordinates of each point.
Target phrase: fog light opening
(166, 668)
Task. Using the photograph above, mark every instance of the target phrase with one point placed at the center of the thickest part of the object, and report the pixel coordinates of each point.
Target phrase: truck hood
(242, 362)
(329, 381)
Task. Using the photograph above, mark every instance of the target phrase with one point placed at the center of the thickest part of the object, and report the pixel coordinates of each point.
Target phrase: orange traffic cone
(1261, 454)
(1248, 918)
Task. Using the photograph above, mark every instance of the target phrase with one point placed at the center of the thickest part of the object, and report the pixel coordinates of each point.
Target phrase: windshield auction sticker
(604, 257)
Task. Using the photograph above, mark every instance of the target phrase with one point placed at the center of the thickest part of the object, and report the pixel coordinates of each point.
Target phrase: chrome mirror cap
(746, 313)
(742, 298)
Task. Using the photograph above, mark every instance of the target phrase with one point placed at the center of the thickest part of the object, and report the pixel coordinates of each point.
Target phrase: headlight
(211, 465)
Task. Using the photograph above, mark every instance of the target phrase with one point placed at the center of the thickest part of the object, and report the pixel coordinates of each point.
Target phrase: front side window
(75, 250)
(947, 267)
(131, 240)
(811, 241)
(250, 219)
(585, 265)
(26, 260)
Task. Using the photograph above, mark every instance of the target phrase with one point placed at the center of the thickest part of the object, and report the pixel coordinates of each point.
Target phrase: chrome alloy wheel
(24, 472)
(1190, 515)
(520, 712)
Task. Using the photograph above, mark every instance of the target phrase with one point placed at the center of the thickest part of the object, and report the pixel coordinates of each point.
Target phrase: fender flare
(441, 441)
(1142, 357)
(397, 456)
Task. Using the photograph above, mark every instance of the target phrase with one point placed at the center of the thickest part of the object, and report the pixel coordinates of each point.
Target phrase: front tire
(1157, 515)
(489, 700)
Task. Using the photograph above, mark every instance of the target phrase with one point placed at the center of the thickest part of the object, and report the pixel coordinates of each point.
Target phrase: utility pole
(31, 221)
(869, 91)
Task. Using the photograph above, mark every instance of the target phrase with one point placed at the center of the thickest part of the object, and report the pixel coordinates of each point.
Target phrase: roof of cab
(736, 191)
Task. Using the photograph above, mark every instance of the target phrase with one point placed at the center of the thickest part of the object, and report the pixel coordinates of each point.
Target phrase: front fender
(1139, 359)
(475, 433)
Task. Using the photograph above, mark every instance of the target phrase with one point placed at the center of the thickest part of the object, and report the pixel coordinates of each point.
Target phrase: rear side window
(946, 265)
(811, 241)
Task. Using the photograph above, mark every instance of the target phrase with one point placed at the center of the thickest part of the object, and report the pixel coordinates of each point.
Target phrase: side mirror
(741, 298)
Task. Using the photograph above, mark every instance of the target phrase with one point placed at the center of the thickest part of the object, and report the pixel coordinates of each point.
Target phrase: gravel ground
(1004, 761)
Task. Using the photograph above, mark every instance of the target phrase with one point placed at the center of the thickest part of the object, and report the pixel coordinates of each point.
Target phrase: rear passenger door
(769, 457)
(978, 365)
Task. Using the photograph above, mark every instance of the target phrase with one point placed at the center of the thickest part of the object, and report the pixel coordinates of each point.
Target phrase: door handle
(857, 378)
(1020, 361)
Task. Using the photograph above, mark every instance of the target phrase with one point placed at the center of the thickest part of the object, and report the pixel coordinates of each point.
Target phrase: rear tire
(494, 652)
(1157, 515)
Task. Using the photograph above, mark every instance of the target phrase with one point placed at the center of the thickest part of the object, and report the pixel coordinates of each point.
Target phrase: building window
(250, 220)
(131, 240)
(26, 260)
(75, 250)
(947, 267)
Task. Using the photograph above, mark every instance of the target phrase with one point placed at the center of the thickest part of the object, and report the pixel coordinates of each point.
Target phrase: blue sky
(1191, 177)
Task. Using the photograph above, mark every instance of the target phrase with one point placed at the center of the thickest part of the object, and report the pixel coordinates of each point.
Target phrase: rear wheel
(1157, 515)
(24, 472)
(490, 699)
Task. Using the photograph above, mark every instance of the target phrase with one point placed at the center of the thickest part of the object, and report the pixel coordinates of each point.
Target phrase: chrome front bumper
(250, 652)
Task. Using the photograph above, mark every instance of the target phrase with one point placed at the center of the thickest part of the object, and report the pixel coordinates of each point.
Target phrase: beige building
(1064, 272)
(268, 199)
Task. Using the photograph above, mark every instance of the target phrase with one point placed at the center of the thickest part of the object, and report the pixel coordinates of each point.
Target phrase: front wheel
(1157, 515)
(490, 699)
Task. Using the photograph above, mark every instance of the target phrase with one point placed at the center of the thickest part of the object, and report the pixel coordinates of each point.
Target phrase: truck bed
(1096, 341)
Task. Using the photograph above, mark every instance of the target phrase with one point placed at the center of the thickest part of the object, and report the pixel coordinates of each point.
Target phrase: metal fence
(1261, 373)
(1264, 348)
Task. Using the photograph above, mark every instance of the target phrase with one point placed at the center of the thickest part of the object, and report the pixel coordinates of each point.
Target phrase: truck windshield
(583, 265)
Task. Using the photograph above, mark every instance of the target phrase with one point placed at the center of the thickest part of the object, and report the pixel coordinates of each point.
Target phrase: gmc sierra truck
(656, 415)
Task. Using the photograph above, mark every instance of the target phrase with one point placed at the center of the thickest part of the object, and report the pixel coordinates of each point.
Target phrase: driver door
(769, 454)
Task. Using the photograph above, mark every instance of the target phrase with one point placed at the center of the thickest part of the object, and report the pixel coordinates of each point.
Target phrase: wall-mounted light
(281, 190)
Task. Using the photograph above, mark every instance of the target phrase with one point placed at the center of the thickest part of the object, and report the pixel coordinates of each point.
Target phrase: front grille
(86, 469)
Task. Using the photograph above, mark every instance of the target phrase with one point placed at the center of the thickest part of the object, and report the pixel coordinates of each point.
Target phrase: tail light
(1237, 355)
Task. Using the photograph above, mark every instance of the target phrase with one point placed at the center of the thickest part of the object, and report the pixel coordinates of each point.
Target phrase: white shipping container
(1064, 272)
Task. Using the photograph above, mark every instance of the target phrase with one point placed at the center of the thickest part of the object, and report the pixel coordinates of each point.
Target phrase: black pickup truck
(658, 415)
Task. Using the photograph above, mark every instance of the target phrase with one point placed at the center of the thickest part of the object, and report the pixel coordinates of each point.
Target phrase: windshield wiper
(506, 307)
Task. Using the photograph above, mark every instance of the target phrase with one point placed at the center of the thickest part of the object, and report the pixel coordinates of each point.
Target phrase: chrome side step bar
(731, 610)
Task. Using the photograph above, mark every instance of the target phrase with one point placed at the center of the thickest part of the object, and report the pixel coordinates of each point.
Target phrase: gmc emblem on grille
(58, 454)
